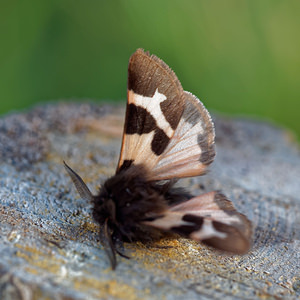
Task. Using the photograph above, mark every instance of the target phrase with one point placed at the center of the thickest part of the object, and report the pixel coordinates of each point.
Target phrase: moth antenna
(81, 187)
(110, 250)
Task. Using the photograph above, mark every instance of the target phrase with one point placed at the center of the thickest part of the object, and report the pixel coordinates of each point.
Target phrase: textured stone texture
(49, 244)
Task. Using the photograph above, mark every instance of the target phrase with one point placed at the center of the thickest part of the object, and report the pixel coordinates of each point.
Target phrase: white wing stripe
(152, 105)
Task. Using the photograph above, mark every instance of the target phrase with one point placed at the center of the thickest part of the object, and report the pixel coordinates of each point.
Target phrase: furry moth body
(168, 134)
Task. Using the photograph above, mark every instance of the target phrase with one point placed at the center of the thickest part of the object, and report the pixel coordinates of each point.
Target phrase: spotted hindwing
(210, 218)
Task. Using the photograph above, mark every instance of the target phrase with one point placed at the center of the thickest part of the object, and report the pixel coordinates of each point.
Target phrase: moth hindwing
(168, 134)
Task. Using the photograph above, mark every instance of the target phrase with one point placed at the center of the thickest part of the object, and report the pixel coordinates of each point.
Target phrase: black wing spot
(192, 218)
(186, 230)
(125, 165)
(140, 120)
(160, 142)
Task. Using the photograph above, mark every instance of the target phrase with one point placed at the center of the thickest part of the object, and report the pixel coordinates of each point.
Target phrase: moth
(168, 135)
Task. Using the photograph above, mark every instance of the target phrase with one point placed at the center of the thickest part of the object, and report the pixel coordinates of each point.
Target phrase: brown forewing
(145, 137)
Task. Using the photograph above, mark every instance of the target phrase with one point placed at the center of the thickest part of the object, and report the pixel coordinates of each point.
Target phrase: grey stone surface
(49, 244)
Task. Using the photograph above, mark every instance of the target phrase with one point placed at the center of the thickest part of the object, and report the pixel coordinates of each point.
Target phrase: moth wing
(210, 218)
(191, 148)
(155, 103)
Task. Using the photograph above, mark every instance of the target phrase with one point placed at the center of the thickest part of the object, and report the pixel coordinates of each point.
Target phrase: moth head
(104, 212)
(104, 208)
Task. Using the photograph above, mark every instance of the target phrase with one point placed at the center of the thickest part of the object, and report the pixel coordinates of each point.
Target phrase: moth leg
(109, 246)
(122, 254)
(118, 243)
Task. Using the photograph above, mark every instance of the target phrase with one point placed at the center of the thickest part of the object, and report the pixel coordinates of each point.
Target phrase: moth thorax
(128, 197)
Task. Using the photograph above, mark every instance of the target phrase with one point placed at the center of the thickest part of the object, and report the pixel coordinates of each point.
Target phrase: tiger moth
(168, 135)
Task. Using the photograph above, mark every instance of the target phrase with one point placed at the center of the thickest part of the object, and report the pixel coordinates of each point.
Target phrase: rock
(50, 244)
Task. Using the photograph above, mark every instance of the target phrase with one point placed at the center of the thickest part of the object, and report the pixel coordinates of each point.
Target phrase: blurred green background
(238, 57)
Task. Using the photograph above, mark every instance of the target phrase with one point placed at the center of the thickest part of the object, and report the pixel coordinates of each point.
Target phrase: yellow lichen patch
(167, 254)
(34, 251)
(89, 226)
(108, 289)
(32, 271)
(184, 259)
(39, 259)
